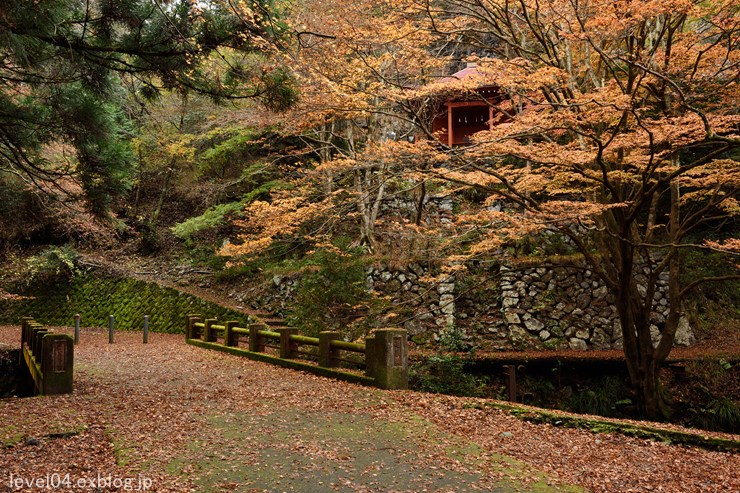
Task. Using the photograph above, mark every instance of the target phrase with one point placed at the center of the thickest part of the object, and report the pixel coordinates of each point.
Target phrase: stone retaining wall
(98, 294)
(562, 307)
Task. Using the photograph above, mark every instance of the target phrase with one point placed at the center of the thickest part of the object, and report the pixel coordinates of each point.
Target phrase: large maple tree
(618, 130)
(355, 62)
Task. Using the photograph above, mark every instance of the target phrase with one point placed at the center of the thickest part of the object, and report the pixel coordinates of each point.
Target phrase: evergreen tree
(63, 61)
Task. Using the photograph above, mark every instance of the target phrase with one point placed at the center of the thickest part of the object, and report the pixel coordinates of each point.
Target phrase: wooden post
(25, 329)
(256, 341)
(450, 135)
(25, 336)
(511, 382)
(391, 359)
(33, 329)
(327, 354)
(146, 329)
(37, 332)
(229, 336)
(288, 348)
(111, 325)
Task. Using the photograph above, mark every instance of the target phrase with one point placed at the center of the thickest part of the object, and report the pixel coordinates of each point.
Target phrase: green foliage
(722, 414)
(256, 175)
(446, 374)
(230, 148)
(601, 398)
(53, 264)
(331, 293)
(712, 394)
(278, 89)
(99, 132)
(212, 218)
(61, 79)
(453, 339)
(713, 304)
(219, 215)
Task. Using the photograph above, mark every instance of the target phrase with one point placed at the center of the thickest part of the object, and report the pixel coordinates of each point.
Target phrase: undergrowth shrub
(721, 414)
(712, 394)
(212, 218)
(446, 374)
(53, 264)
(331, 293)
(219, 215)
(603, 398)
(711, 306)
(453, 339)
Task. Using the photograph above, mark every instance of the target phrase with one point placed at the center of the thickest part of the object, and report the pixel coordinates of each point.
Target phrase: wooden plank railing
(48, 358)
(383, 356)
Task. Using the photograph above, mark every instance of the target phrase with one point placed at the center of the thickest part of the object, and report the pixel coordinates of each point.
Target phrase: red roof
(472, 70)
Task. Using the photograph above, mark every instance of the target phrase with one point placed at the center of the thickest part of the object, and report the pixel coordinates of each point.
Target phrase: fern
(218, 215)
(212, 218)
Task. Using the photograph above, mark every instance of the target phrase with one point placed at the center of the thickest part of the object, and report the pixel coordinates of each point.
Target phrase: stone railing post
(38, 332)
(288, 348)
(208, 333)
(229, 339)
(327, 354)
(25, 323)
(57, 363)
(256, 341)
(370, 356)
(191, 332)
(390, 359)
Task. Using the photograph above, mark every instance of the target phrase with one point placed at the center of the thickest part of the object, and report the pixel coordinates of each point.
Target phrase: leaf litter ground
(189, 419)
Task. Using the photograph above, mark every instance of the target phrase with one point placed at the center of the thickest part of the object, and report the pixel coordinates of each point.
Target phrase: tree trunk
(420, 203)
(643, 364)
(652, 401)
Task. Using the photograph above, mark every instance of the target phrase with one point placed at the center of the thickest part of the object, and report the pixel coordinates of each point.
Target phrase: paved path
(192, 419)
(189, 419)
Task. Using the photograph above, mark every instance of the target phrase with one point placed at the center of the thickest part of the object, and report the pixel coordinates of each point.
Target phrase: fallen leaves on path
(179, 415)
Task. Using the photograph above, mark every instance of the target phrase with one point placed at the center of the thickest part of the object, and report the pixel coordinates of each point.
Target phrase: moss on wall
(95, 296)
(8, 372)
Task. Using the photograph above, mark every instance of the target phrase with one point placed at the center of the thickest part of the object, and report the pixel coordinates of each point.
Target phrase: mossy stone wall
(96, 296)
(8, 372)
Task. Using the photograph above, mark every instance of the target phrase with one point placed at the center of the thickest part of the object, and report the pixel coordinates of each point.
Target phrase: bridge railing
(48, 358)
(383, 356)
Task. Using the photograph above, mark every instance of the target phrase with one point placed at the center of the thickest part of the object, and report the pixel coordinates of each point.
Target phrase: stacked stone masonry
(561, 307)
